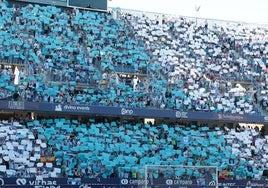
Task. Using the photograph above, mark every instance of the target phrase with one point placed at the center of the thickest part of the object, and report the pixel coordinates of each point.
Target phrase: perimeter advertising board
(123, 183)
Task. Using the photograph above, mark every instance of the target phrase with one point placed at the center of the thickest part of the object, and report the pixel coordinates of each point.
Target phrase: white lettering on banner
(71, 107)
(138, 182)
(230, 117)
(125, 111)
(181, 114)
(38, 183)
(42, 182)
(183, 182)
(227, 184)
(2, 182)
(255, 184)
(60, 108)
(16, 105)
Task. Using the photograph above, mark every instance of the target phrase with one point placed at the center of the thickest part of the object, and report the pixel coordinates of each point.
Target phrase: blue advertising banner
(124, 183)
(76, 109)
(33, 182)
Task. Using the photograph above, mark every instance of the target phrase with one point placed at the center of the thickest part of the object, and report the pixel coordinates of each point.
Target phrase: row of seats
(69, 148)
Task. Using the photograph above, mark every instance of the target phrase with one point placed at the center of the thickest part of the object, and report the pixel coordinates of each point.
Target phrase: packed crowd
(197, 55)
(187, 65)
(109, 148)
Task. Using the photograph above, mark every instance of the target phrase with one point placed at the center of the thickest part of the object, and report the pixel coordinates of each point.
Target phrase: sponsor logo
(180, 114)
(230, 117)
(38, 183)
(124, 181)
(183, 182)
(125, 111)
(248, 184)
(21, 181)
(60, 108)
(212, 183)
(134, 182)
(178, 182)
(219, 116)
(2, 182)
(254, 184)
(16, 105)
(169, 182)
(227, 184)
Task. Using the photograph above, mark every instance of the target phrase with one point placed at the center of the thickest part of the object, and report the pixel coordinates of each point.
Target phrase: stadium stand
(204, 59)
(62, 50)
(135, 60)
(64, 147)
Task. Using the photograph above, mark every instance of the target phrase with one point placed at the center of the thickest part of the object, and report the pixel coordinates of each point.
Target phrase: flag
(197, 8)
(16, 74)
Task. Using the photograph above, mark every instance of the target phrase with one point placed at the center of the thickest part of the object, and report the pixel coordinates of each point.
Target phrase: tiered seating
(202, 58)
(69, 46)
(63, 147)
(190, 65)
